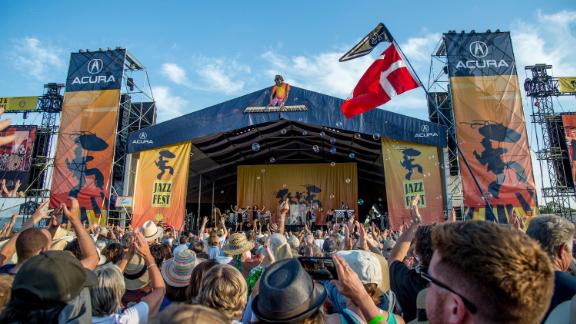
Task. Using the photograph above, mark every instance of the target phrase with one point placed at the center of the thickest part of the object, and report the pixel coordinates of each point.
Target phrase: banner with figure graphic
(412, 169)
(161, 184)
(490, 125)
(85, 148)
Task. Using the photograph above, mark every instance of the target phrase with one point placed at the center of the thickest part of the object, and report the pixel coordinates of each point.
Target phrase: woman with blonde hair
(224, 289)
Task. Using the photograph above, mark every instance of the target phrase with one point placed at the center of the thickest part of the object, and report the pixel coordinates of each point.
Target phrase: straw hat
(238, 244)
(177, 270)
(151, 232)
(136, 274)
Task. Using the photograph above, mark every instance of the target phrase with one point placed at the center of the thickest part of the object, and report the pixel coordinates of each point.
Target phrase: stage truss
(541, 87)
(440, 111)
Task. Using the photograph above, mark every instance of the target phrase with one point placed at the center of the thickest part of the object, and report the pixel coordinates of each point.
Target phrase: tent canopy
(321, 111)
(224, 136)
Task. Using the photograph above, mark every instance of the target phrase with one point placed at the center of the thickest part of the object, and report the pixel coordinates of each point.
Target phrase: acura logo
(478, 49)
(424, 129)
(143, 136)
(95, 66)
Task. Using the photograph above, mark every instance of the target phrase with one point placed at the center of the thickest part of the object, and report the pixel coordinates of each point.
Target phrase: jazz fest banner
(324, 185)
(85, 148)
(567, 84)
(16, 157)
(569, 122)
(19, 103)
(161, 184)
(490, 125)
(412, 169)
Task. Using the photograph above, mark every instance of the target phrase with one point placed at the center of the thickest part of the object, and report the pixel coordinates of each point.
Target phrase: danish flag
(387, 77)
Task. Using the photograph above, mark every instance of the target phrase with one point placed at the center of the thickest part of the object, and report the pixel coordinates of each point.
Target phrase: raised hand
(41, 212)
(72, 214)
(3, 125)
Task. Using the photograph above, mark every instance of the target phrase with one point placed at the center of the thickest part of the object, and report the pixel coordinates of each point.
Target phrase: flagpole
(428, 97)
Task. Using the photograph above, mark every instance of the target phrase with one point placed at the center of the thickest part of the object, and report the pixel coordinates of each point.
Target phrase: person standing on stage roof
(279, 93)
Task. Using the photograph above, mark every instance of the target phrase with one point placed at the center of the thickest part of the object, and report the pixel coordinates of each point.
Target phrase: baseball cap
(53, 277)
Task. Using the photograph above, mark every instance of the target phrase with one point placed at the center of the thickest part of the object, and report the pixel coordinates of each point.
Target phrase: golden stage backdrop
(326, 185)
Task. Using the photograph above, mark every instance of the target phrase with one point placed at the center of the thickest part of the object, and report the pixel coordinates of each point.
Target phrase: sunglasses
(471, 307)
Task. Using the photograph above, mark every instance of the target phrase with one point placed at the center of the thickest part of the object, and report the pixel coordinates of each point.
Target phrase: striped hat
(177, 271)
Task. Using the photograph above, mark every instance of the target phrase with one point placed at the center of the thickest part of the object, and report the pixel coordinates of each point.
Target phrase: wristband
(152, 265)
(378, 319)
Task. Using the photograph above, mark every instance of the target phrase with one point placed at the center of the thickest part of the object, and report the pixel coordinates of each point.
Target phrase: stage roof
(321, 111)
(224, 136)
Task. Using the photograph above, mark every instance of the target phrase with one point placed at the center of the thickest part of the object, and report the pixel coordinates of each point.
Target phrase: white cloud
(549, 40)
(174, 73)
(168, 106)
(36, 59)
(324, 73)
(209, 74)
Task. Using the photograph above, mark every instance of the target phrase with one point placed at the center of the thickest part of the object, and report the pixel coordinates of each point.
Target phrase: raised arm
(153, 299)
(87, 246)
(284, 207)
(402, 246)
(203, 227)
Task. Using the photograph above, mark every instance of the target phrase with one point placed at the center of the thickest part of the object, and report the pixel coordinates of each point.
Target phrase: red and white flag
(387, 77)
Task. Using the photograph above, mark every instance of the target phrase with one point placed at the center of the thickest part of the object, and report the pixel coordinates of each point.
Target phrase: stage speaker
(559, 152)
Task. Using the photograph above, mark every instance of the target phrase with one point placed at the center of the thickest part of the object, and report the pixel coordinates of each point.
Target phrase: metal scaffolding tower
(441, 112)
(556, 177)
(137, 110)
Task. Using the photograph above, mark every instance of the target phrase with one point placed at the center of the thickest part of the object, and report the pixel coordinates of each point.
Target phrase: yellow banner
(567, 84)
(18, 103)
(161, 184)
(412, 169)
(324, 186)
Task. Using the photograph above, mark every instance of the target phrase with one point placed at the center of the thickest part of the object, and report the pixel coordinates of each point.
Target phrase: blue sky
(202, 53)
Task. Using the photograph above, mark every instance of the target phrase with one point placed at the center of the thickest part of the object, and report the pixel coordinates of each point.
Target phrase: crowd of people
(456, 272)
(347, 272)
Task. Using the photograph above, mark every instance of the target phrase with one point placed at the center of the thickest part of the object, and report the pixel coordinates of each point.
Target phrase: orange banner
(412, 169)
(85, 150)
(161, 184)
(492, 136)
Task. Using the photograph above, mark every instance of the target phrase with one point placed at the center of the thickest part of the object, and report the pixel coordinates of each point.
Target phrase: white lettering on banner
(142, 142)
(93, 79)
(426, 135)
(472, 64)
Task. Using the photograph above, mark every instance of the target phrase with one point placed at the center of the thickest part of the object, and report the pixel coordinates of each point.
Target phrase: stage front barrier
(412, 169)
(490, 125)
(85, 147)
(161, 184)
(325, 185)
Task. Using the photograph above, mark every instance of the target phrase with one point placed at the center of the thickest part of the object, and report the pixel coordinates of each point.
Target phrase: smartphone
(319, 268)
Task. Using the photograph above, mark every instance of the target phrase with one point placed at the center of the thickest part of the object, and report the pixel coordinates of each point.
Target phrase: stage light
(472, 31)
(81, 51)
(488, 31)
(497, 30)
(100, 49)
